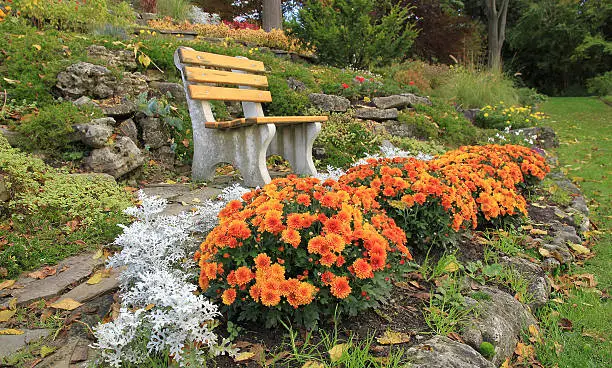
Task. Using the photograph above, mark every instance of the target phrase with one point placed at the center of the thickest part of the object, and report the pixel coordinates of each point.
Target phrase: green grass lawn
(584, 126)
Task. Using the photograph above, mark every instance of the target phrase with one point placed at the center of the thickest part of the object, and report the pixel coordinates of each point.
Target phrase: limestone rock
(470, 114)
(560, 252)
(128, 128)
(86, 79)
(442, 352)
(5, 195)
(397, 101)
(176, 90)
(85, 292)
(132, 84)
(12, 137)
(376, 114)
(94, 135)
(538, 287)
(403, 129)
(499, 321)
(113, 58)
(123, 110)
(84, 101)
(164, 155)
(75, 269)
(416, 100)
(10, 344)
(155, 133)
(117, 160)
(296, 84)
(329, 102)
(550, 264)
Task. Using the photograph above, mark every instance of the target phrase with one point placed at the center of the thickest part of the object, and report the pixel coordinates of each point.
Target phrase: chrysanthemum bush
(161, 314)
(433, 200)
(298, 249)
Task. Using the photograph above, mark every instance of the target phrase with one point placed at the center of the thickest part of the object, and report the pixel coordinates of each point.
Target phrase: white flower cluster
(160, 313)
(199, 16)
(507, 134)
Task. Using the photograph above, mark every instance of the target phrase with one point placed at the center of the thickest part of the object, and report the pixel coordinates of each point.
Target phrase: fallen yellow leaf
(451, 267)
(98, 254)
(533, 330)
(46, 350)
(392, 337)
(545, 253)
(579, 248)
(95, 279)
(313, 364)
(244, 356)
(5, 315)
(6, 284)
(335, 353)
(538, 232)
(37, 47)
(11, 331)
(67, 304)
(149, 306)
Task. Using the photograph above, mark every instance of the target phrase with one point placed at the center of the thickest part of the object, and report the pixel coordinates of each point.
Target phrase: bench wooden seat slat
(236, 123)
(201, 75)
(287, 119)
(200, 92)
(220, 61)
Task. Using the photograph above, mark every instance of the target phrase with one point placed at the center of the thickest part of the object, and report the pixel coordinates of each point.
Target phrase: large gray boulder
(116, 160)
(128, 128)
(329, 102)
(155, 132)
(113, 58)
(499, 320)
(132, 84)
(376, 114)
(544, 137)
(94, 135)
(400, 101)
(539, 287)
(86, 79)
(417, 100)
(442, 352)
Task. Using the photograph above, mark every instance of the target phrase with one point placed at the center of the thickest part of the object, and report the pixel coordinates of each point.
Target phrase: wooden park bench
(246, 142)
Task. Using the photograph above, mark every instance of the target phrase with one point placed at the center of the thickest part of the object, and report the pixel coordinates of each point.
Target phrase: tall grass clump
(472, 88)
(175, 9)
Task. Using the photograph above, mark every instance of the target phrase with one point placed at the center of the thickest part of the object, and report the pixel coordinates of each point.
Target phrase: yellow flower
(486, 115)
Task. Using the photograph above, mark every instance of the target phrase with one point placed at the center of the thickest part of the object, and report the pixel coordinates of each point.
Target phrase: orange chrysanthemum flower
(243, 275)
(362, 269)
(340, 287)
(291, 236)
(262, 261)
(229, 296)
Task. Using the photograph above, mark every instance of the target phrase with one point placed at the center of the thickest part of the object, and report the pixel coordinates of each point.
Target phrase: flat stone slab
(442, 352)
(75, 268)
(376, 114)
(167, 191)
(85, 292)
(10, 344)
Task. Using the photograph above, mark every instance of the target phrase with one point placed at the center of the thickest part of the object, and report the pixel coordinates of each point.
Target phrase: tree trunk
(496, 31)
(272, 15)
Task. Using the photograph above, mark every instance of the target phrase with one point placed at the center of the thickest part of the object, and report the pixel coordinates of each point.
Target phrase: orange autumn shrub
(297, 247)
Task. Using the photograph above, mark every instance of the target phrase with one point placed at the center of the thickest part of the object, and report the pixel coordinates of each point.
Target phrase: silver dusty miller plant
(160, 313)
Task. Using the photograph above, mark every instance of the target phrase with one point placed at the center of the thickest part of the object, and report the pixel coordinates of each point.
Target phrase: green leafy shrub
(74, 14)
(285, 101)
(453, 128)
(49, 207)
(502, 117)
(601, 85)
(419, 74)
(361, 33)
(422, 126)
(415, 146)
(530, 96)
(50, 129)
(470, 88)
(345, 141)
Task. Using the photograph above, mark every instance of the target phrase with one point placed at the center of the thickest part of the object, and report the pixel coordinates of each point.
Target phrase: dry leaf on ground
(66, 304)
(11, 331)
(313, 364)
(393, 337)
(5, 315)
(579, 248)
(43, 272)
(6, 284)
(335, 353)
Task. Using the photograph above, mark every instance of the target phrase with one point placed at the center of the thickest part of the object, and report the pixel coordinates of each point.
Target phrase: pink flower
(411, 83)
(345, 86)
(360, 79)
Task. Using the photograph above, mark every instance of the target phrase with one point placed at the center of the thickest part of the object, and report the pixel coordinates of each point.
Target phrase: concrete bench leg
(245, 148)
(294, 143)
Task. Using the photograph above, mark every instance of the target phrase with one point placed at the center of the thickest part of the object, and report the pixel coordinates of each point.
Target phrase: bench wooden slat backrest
(240, 73)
